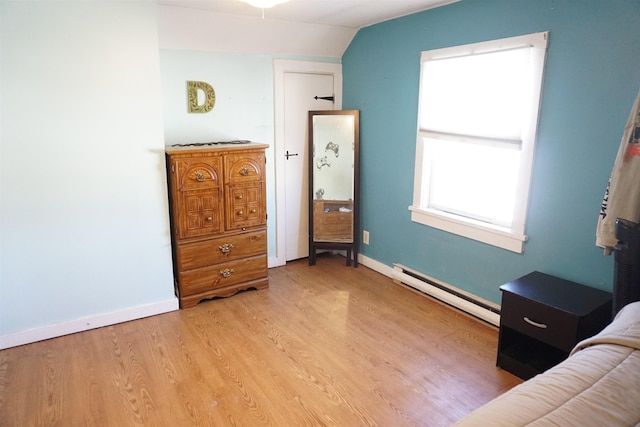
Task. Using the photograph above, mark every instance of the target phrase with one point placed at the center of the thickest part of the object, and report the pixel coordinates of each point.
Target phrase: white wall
(199, 45)
(84, 230)
(243, 110)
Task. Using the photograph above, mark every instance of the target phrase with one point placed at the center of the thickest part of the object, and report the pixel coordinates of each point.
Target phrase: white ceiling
(353, 14)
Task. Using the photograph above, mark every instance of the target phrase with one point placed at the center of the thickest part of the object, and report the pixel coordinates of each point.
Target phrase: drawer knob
(226, 248)
(240, 197)
(227, 272)
(209, 218)
(536, 324)
(253, 211)
(240, 213)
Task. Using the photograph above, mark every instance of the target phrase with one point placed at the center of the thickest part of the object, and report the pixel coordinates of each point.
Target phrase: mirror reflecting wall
(333, 182)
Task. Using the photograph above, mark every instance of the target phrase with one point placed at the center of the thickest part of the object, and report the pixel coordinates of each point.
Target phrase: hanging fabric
(622, 197)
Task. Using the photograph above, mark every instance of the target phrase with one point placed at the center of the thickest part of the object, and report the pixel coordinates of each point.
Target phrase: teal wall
(592, 78)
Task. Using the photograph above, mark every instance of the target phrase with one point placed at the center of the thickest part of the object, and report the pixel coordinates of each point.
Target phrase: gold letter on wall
(203, 103)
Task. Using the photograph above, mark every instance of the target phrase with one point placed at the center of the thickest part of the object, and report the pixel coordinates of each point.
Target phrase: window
(477, 122)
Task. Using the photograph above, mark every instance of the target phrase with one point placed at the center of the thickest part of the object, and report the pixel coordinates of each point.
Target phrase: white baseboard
(465, 301)
(275, 261)
(491, 316)
(59, 329)
(376, 265)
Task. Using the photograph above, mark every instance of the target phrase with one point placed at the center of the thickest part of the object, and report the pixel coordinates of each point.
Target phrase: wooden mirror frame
(335, 236)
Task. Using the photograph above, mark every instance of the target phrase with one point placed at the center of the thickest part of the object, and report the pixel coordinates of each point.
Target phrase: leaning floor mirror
(334, 139)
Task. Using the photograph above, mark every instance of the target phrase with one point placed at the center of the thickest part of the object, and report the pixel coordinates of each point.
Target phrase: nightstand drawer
(539, 321)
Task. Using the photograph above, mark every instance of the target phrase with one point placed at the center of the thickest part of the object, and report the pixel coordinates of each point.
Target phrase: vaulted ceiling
(342, 13)
(321, 28)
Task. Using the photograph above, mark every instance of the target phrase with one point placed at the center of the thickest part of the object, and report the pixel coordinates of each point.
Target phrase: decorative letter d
(195, 104)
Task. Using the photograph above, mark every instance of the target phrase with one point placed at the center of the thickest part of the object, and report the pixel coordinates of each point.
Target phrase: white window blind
(477, 122)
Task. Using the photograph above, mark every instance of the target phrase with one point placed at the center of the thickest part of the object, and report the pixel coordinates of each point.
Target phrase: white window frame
(509, 238)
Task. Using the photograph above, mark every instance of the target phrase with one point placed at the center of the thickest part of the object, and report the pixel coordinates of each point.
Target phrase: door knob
(290, 155)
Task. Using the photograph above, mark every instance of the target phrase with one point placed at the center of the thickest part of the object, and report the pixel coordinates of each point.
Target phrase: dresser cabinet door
(245, 191)
(245, 206)
(198, 196)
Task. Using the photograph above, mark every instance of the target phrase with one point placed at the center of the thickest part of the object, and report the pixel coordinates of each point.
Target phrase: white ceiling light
(264, 4)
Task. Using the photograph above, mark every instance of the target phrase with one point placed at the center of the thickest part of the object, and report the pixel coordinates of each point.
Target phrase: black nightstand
(543, 317)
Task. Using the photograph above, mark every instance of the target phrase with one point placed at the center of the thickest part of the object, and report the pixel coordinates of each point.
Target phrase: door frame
(280, 68)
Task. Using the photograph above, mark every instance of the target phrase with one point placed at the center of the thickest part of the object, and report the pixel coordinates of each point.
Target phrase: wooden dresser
(333, 220)
(217, 201)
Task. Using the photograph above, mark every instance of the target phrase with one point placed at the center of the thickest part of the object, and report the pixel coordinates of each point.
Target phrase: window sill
(465, 227)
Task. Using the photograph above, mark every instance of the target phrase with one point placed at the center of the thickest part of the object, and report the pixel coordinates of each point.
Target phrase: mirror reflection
(333, 147)
(333, 186)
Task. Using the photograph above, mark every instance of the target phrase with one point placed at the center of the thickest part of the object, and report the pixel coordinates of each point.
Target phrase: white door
(296, 84)
(301, 91)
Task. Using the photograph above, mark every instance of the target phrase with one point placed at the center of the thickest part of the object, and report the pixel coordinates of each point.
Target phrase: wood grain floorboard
(325, 345)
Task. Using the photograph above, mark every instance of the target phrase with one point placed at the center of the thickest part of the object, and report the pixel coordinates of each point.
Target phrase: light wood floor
(325, 345)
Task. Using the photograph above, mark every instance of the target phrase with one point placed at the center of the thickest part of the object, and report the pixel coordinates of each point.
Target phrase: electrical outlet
(365, 237)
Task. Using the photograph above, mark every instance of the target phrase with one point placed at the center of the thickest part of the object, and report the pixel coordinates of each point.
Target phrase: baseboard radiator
(462, 300)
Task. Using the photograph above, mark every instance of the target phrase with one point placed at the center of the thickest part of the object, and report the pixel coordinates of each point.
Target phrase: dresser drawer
(222, 275)
(244, 167)
(222, 249)
(197, 173)
(539, 321)
(333, 232)
(336, 218)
